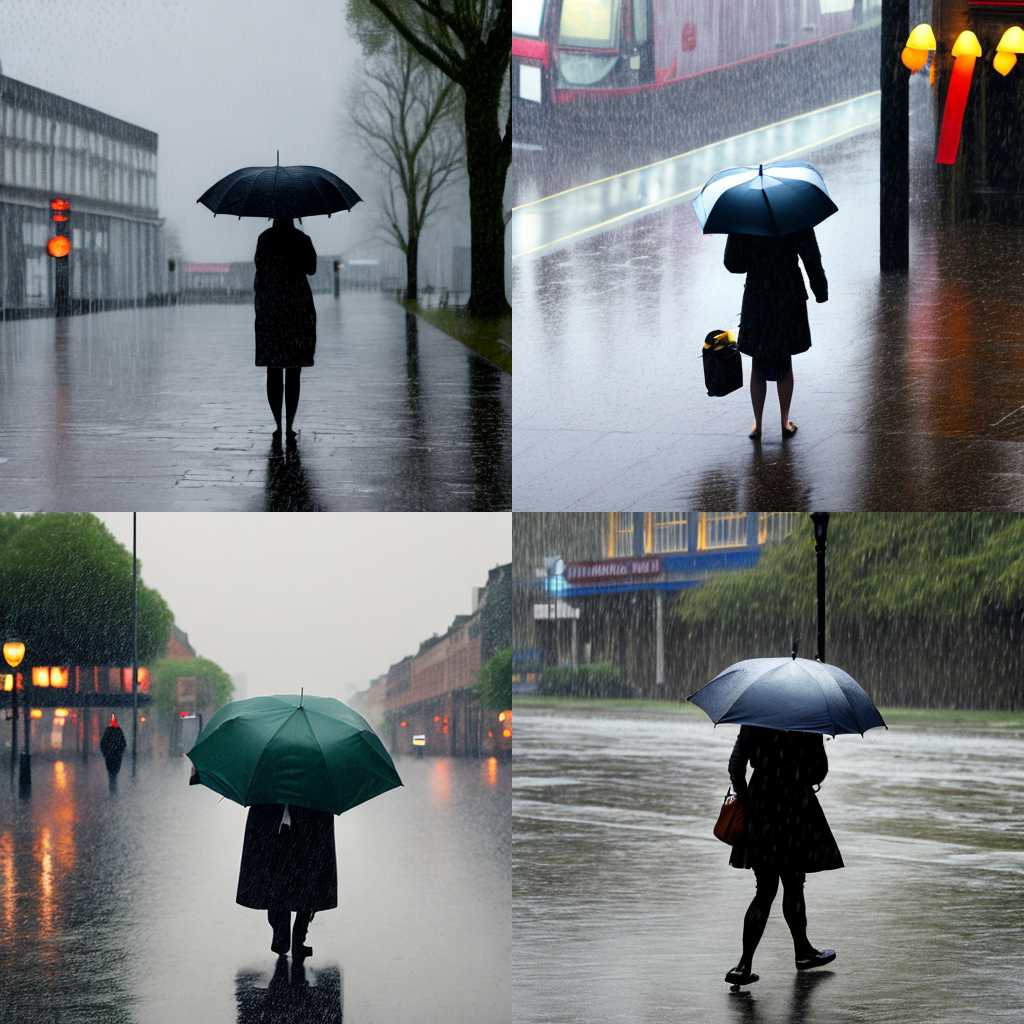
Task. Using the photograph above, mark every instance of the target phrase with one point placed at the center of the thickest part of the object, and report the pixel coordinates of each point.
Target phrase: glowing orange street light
(919, 43)
(966, 50)
(506, 733)
(36, 712)
(60, 712)
(14, 651)
(58, 246)
(1009, 46)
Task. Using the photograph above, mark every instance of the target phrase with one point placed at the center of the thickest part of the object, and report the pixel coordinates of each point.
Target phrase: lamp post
(555, 567)
(820, 520)
(135, 647)
(14, 653)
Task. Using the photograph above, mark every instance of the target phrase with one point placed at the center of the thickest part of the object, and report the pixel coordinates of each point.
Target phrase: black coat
(786, 827)
(285, 317)
(773, 320)
(294, 869)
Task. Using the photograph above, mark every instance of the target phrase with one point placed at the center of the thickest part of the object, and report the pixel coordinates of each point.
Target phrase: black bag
(723, 367)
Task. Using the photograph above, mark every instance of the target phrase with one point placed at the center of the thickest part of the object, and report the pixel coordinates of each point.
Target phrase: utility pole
(820, 520)
(894, 162)
(135, 643)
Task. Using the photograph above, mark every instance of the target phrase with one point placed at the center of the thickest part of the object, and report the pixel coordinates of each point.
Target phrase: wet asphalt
(117, 905)
(640, 915)
(163, 409)
(912, 396)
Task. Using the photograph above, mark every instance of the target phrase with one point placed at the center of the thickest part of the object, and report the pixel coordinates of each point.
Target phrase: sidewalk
(163, 409)
(912, 396)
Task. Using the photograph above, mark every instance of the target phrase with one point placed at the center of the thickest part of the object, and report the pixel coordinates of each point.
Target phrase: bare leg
(758, 390)
(291, 394)
(275, 390)
(785, 398)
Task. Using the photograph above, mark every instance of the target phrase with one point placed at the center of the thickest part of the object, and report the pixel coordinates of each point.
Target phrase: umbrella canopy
(770, 199)
(292, 749)
(792, 694)
(301, 191)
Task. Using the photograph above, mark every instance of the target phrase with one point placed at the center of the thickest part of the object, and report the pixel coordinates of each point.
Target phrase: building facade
(596, 587)
(107, 168)
(432, 693)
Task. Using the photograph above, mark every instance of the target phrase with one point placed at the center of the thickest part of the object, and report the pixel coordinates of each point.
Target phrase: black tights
(287, 384)
(793, 910)
(280, 920)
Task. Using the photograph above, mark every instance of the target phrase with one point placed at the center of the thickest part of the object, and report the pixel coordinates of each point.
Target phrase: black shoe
(820, 958)
(740, 975)
(300, 950)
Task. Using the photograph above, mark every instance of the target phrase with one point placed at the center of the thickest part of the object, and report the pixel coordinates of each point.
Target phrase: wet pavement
(162, 409)
(118, 907)
(912, 396)
(640, 915)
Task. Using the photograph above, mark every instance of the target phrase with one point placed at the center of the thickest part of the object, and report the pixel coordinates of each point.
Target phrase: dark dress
(285, 317)
(773, 320)
(294, 869)
(786, 827)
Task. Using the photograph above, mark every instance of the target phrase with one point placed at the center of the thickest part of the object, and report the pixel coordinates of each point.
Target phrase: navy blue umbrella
(792, 694)
(770, 199)
(301, 191)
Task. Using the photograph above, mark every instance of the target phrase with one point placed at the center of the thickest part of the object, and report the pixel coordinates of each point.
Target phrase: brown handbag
(731, 822)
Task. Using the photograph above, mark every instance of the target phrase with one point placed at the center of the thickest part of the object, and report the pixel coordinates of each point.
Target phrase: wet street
(912, 396)
(163, 409)
(639, 915)
(118, 907)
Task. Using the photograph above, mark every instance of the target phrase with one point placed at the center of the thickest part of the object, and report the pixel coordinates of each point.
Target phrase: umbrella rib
(323, 756)
(256, 767)
(771, 214)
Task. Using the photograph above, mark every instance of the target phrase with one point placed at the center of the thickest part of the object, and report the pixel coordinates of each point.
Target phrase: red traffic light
(60, 204)
(58, 246)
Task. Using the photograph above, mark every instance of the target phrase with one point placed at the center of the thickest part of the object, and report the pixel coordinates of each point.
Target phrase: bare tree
(470, 41)
(403, 111)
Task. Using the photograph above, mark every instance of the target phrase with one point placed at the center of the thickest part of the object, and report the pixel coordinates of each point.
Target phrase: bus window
(592, 23)
(527, 17)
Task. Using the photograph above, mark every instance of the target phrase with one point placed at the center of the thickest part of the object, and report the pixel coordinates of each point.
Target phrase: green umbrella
(292, 749)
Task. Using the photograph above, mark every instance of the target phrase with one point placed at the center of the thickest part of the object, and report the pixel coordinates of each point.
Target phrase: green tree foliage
(495, 686)
(598, 679)
(931, 568)
(167, 672)
(66, 591)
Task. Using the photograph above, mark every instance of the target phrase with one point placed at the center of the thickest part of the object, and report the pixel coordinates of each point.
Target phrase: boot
(299, 949)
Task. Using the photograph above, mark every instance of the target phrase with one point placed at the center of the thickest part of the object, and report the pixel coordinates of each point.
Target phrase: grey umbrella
(792, 694)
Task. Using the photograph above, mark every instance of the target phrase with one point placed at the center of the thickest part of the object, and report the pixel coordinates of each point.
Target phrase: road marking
(640, 210)
(690, 152)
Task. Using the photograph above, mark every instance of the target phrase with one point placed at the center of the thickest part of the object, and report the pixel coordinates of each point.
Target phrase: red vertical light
(966, 51)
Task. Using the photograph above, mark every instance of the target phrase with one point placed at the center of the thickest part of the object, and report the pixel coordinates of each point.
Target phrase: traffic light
(59, 247)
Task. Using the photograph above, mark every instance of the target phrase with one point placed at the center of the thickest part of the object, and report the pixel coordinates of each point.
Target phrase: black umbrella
(301, 191)
(770, 199)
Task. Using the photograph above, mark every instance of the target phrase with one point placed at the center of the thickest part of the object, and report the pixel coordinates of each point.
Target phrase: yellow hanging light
(1003, 62)
(922, 38)
(913, 59)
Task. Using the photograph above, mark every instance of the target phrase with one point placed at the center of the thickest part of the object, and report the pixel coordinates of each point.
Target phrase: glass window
(589, 23)
(665, 531)
(722, 530)
(776, 526)
(619, 541)
(527, 17)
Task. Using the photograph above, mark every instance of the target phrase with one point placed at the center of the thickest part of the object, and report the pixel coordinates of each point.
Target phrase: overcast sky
(324, 600)
(223, 82)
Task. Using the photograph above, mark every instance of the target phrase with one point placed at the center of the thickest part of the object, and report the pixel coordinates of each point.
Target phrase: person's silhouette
(285, 316)
(112, 745)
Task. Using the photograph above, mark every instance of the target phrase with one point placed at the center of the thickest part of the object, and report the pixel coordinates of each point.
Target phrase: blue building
(604, 598)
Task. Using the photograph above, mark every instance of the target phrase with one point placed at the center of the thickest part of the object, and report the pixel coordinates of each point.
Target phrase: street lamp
(555, 567)
(14, 652)
(820, 520)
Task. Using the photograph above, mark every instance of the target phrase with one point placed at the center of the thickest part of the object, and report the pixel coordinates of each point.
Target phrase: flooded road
(119, 906)
(626, 908)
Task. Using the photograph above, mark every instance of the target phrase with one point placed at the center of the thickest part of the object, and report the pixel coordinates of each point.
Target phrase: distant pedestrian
(112, 745)
(786, 835)
(288, 864)
(285, 316)
(773, 321)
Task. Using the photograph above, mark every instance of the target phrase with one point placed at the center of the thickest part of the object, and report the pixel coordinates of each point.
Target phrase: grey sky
(223, 82)
(323, 600)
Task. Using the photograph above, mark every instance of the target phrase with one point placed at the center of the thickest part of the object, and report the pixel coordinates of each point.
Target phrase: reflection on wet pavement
(117, 906)
(162, 408)
(639, 914)
(912, 396)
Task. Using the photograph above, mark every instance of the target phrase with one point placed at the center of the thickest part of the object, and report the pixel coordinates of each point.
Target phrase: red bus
(580, 51)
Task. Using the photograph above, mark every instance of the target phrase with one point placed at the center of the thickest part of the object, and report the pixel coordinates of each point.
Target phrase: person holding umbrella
(285, 257)
(784, 707)
(769, 213)
(295, 761)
